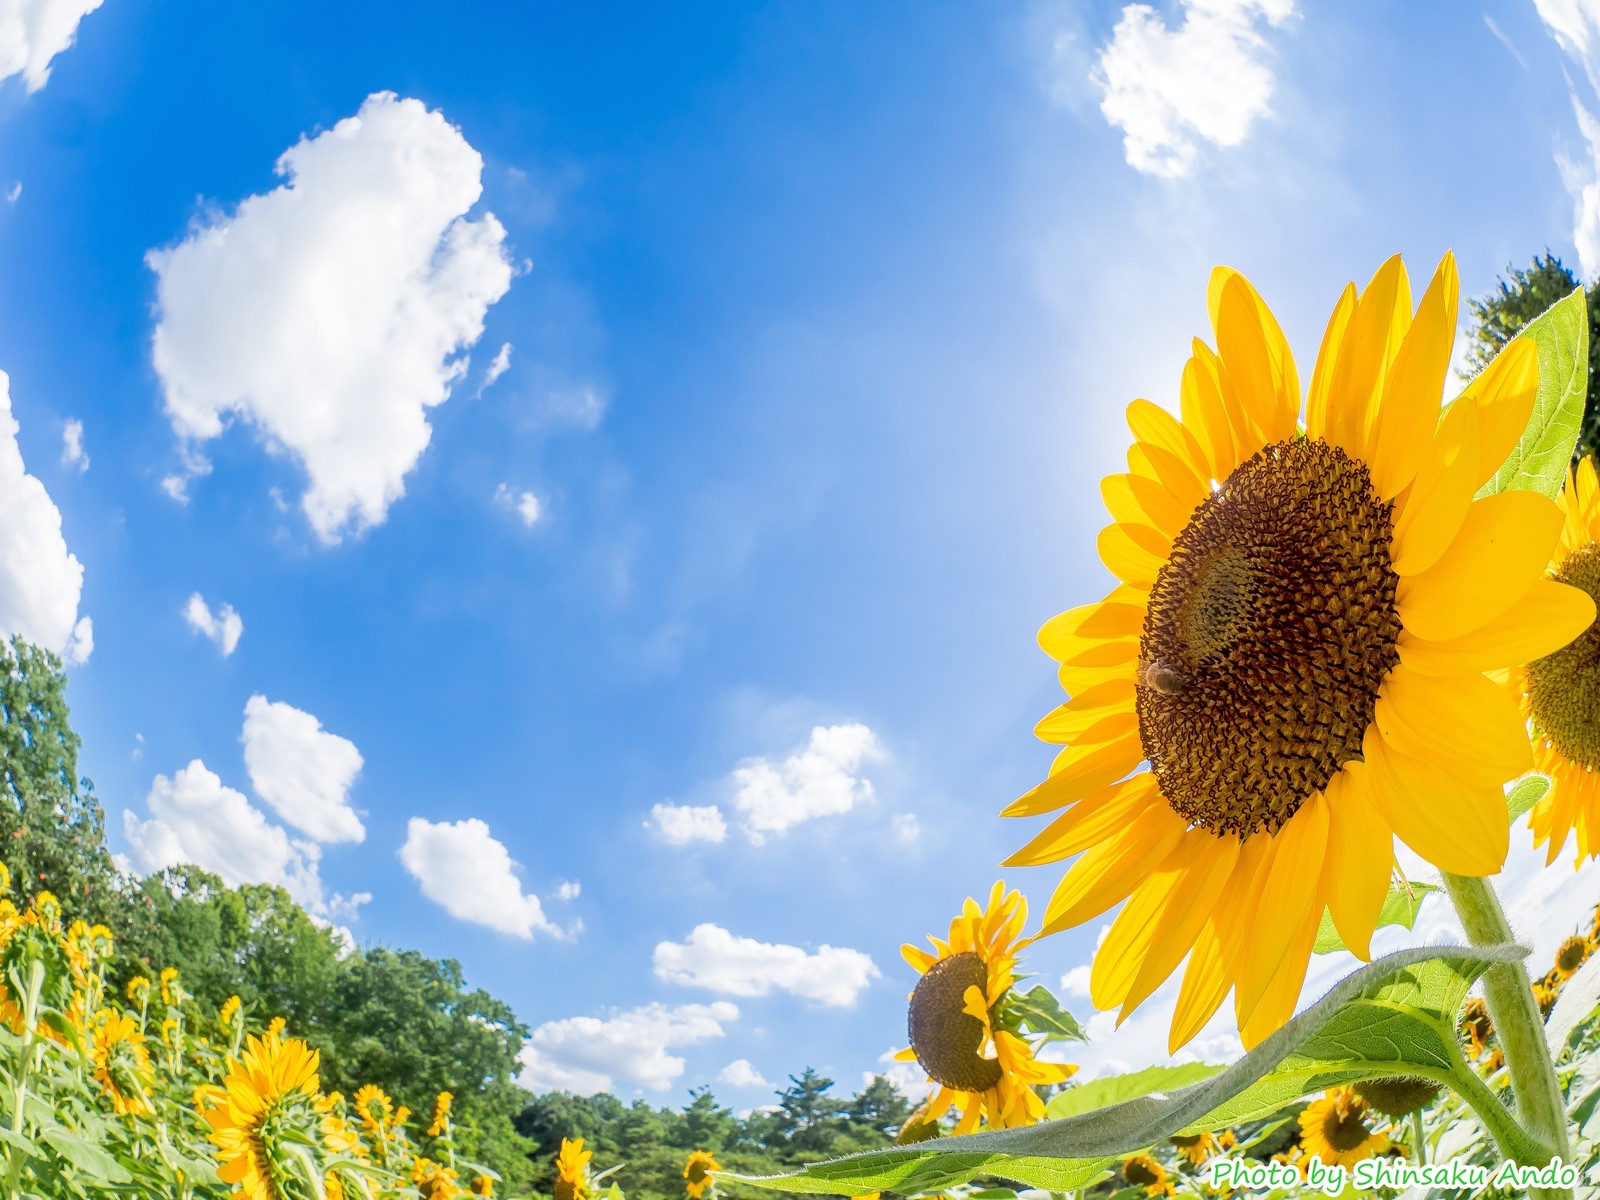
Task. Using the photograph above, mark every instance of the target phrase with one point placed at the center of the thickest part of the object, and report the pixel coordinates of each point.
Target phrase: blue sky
(821, 319)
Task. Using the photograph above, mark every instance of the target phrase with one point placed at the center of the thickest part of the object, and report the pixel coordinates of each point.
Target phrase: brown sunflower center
(697, 1172)
(1142, 1172)
(1397, 1095)
(1564, 687)
(1270, 630)
(947, 1040)
(1572, 954)
(1345, 1126)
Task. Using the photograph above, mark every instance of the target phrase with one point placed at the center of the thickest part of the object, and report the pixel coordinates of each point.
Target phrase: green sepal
(1037, 1012)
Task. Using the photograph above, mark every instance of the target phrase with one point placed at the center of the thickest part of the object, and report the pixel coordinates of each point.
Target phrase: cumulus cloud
(1575, 25)
(195, 818)
(40, 581)
(32, 32)
(72, 452)
(742, 1073)
(1208, 80)
(570, 890)
(524, 504)
(585, 1055)
(714, 959)
(906, 826)
(817, 780)
(330, 313)
(908, 1077)
(223, 627)
(465, 870)
(680, 824)
(301, 770)
(498, 367)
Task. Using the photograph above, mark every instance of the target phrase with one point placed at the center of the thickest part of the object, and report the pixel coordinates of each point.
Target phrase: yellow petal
(1077, 772)
(1185, 914)
(1117, 960)
(1089, 822)
(1063, 635)
(1257, 354)
(1317, 399)
(1360, 858)
(1546, 618)
(1204, 412)
(1205, 985)
(1502, 548)
(1465, 725)
(1458, 827)
(1133, 553)
(1155, 426)
(1383, 313)
(1278, 1001)
(1504, 392)
(1430, 515)
(1290, 891)
(1172, 473)
(1073, 719)
(1414, 387)
(1108, 872)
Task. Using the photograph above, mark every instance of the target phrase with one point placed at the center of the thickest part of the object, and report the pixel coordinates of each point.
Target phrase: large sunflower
(697, 1173)
(269, 1103)
(1297, 650)
(1560, 693)
(986, 1071)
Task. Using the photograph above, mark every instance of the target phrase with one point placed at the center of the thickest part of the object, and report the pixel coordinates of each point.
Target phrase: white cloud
(1170, 89)
(1582, 178)
(1573, 23)
(223, 627)
(40, 581)
(497, 368)
(908, 1077)
(570, 890)
(462, 868)
(906, 826)
(719, 961)
(524, 504)
(586, 1055)
(1076, 981)
(680, 824)
(301, 770)
(32, 32)
(14, 192)
(329, 313)
(195, 818)
(742, 1073)
(818, 780)
(72, 452)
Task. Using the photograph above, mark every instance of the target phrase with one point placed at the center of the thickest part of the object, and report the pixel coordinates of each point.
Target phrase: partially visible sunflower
(697, 1173)
(441, 1114)
(122, 1064)
(269, 1105)
(1143, 1171)
(958, 1026)
(572, 1170)
(1195, 1148)
(435, 1181)
(171, 991)
(482, 1185)
(1297, 650)
(1227, 1140)
(230, 1010)
(1560, 692)
(1545, 997)
(1475, 1023)
(1335, 1129)
(1572, 954)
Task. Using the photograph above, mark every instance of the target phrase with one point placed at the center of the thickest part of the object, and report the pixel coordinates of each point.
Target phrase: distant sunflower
(1477, 1026)
(122, 1064)
(697, 1173)
(572, 1170)
(1335, 1129)
(482, 1185)
(1297, 650)
(441, 1114)
(435, 1181)
(1560, 693)
(984, 1070)
(269, 1103)
(1143, 1171)
(1195, 1148)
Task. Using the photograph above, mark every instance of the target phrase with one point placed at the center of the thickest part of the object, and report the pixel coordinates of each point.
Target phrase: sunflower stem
(1508, 992)
(1419, 1153)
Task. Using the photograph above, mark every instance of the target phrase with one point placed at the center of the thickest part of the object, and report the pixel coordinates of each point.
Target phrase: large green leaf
(1539, 461)
(1394, 1017)
(1114, 1089)
(1400, 907)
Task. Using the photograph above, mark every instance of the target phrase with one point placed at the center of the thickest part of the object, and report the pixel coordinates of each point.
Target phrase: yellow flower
(434, 1182)
(1227, 1140)
(482, 1185)
(138, 989)
(169, 992)
(1475, 1023)
(275, 1026)
(1560, 693)
(1335, 1129)
(1143, 1171)
(1571, 955)
(986, 1071)
(1297, 650)
(121, 1063)
(230, 1010)
(5, 878)
(1195, 1148)
(441, 1114)
(269, 1100)
(572, 1170)
(697, 1172)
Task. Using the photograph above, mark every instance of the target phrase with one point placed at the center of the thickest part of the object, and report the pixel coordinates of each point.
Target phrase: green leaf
(86, 1156)
(1400, 907)
(1525, 793)
(1114, 1089)
(1579, 997)
(1394, 1017)
(1039, 1012)
(1540, 459)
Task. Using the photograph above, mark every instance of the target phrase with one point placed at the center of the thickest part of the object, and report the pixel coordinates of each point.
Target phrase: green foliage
(1400, 907)
(1516, 301)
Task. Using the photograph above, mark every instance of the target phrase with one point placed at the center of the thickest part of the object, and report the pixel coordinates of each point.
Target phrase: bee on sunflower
(1336, 1129)
(966, 1028)
(572, 1170)
(1297, 651)
(1142, 1171)
(697, 1173)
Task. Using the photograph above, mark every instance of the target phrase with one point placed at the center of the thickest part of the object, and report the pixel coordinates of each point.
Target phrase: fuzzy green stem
(1508, 992)
(1419, 1152)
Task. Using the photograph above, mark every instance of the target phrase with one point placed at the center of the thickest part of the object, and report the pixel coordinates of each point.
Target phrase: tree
(52, 829)
(1516, 300)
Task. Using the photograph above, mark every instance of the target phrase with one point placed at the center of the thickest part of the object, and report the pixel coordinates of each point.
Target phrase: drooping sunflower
(572, 1170)
(1195, 1148)
(1336, 1130)
(697, 1173)
(1572, 954)
(122, 1064)
(269, 1102)
(1143, 1171)
(1397, 1096)
(1560, 692)
(984, 1070)
(1297, 650)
